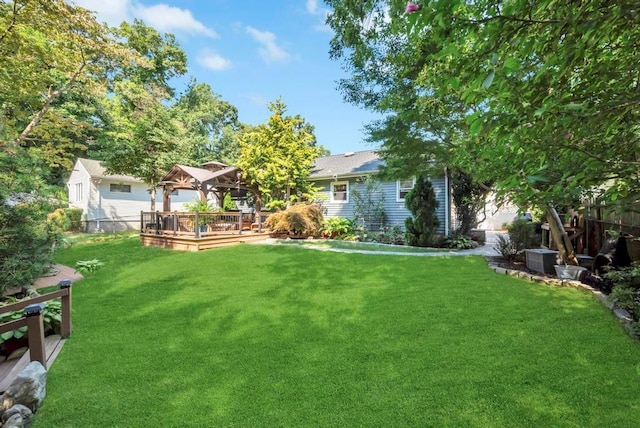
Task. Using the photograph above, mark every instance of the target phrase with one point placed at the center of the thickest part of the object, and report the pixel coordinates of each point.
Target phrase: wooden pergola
(195, 231)
(214, 178)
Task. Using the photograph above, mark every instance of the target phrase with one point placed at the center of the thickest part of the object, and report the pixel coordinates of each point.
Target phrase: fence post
(65, 324)
(35, 333)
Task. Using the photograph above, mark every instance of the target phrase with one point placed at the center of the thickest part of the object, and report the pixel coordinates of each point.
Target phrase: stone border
(623, 316)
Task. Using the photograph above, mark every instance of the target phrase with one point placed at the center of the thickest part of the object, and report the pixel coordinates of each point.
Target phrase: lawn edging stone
(623, 316)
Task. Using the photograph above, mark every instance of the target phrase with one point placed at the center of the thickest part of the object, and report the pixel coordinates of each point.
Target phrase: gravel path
(486, 250)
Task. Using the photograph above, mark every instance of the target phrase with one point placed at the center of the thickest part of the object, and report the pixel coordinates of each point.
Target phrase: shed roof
(96, 170)
(351, 163)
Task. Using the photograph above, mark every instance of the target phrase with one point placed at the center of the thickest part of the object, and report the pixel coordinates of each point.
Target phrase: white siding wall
(79, 176)
(395, 211)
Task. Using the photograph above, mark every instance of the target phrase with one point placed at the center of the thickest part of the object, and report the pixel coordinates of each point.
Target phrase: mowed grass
(283, 336)
(359, 246)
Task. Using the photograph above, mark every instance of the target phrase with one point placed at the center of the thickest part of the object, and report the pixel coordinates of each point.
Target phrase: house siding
(395, 211)
(107, 211)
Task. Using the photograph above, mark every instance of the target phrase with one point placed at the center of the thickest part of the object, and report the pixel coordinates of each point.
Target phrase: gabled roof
(346, 164)
(96, 170)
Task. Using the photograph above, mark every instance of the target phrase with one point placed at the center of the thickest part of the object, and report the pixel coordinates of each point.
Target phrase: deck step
(9, 370)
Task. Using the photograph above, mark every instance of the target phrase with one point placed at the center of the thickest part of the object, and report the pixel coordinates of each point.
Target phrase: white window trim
(77, 192)
(119, 191)
(331, 192)
(398, 198)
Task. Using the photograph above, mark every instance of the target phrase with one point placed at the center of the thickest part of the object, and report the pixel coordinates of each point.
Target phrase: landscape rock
(28, 389)
(25, 416)
(15, 421)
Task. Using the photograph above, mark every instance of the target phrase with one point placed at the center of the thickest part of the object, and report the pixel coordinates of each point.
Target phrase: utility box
(541, 260)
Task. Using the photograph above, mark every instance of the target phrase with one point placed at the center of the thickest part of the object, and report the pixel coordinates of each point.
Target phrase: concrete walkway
(486, 250)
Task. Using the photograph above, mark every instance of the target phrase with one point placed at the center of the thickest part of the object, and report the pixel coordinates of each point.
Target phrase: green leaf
(511, 65)
(489, 80)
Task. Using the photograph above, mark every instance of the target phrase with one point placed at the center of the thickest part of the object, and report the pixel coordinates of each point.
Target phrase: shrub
(388, 235)
(460, 242)
(338, 227)
(522, 235)
(65, 220)
(626, 290)
(300, 220)
(88, 266)
(421, 201)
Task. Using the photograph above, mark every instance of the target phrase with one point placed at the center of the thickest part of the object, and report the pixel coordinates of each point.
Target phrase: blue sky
(252, 52)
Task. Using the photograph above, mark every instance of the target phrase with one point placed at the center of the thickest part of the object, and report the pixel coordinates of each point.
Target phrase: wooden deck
(191, 243)
(9, 370)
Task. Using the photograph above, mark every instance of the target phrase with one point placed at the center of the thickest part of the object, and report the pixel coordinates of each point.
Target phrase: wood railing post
(65, 324)
(196, 225)
(35, 333)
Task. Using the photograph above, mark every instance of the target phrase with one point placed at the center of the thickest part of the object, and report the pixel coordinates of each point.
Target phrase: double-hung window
(340, 192)
(404, 186)
(77, 197)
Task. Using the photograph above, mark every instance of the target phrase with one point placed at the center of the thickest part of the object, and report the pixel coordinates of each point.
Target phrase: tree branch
(51, 95)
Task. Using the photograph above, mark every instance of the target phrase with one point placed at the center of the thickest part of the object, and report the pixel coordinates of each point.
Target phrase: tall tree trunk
(152, 191)
(561, 237)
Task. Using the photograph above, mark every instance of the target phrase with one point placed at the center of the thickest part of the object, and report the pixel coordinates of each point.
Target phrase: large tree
(142, 136)
(279, 155)
(211, 124)
(543, 95)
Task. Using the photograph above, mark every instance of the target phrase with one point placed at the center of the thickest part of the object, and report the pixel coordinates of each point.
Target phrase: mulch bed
(589, 278)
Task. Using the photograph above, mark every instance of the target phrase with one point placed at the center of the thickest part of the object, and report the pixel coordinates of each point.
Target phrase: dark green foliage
(626, 290)
(469, 198)
(522, 235)
(460, 242)
(421, 201)
(26, 244)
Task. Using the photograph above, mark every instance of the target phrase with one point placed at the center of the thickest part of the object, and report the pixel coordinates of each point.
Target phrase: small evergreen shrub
(300, 221)
(422, 203)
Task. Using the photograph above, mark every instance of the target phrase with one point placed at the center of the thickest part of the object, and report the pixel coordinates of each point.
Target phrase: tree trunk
(152, 191)
(561, 238)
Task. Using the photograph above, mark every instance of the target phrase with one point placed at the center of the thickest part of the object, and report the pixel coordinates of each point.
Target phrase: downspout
(447, 194)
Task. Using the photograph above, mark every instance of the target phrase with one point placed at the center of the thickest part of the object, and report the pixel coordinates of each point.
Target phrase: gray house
(342, 180)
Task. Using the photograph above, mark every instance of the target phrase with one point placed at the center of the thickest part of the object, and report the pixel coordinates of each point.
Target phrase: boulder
(17, 415)
(28, 389)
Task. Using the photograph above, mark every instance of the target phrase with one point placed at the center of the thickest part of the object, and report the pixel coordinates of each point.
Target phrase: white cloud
(312, 6)
(269, 50)
(213, 61)
(112, 12)
(172, 19)
(256, 99)
(166, 19)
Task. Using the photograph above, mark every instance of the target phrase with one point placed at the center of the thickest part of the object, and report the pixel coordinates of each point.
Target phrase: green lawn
(282, 336)
(359, 246)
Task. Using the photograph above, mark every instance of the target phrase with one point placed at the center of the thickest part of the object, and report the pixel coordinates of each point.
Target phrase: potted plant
(199, 205)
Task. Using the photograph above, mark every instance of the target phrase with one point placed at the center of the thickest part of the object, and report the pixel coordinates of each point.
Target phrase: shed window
(404, 186)
(340, 192)
(77, 196)
(119, 188)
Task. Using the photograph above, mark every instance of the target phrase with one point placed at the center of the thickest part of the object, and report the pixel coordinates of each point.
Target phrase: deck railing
(198, 224)
(33, 319)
